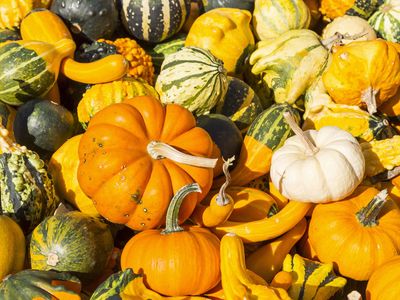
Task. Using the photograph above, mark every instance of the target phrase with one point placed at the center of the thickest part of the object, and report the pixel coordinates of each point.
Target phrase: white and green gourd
(271, 18)
(386, 20)
(193, 78)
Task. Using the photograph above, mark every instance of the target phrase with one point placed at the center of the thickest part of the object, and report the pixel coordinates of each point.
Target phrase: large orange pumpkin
(124, 167)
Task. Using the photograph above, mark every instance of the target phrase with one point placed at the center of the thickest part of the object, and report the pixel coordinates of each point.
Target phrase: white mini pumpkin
(317, 166)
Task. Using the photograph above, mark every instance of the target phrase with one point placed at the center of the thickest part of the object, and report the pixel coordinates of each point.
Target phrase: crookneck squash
(141, 152)
(173, 260)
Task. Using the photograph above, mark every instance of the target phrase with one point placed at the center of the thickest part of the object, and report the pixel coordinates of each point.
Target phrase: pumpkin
(386, 19)
(226, 33)
(72, 242)
(350, 26)
(364, 227)
(40, 285)
(337, 8)
(173, 259)
(12, 249)
(129, 153)
(379, 283)
(375, 80)
(63, 167)
(271, 18)
(328, 164)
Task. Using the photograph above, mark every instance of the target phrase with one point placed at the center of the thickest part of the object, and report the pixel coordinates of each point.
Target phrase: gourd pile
(209, 149)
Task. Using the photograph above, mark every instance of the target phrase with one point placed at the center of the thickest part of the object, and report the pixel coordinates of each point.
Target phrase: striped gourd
(271, 18)
(240, 104)
(386, 20)
(154, 20)
(364, 8)
(193, 78)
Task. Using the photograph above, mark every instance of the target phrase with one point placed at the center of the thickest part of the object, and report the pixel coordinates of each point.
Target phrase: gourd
(7, 117)
(268, 259)
(312, 279)
(241, 4)
(226, 33)
(102, 95)
(193, 78)
(385, 20)
(26, 189)
(236, 282)
(12, 249)
(63, 167)
(129, 152)
(334, 8)
(366, 87)
(154, 21)
(40, 285)
(72, 242)
(173, 259)
(273, 18)
(9, 35)
(363, 227)
(328, 164)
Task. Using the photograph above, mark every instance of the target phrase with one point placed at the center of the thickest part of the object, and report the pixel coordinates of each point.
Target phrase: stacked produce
(204, 149)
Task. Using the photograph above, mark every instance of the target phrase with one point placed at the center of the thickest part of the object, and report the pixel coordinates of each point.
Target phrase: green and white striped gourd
(154, 20)
(193, 78)
(364, 8)
(386, 20)
(290, 63)
(271, 18)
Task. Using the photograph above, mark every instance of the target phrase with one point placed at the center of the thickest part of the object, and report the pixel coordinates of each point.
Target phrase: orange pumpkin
(130, 166)
(175, 261)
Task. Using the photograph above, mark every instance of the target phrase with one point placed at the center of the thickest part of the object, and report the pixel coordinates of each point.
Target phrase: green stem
(368, 215)
(171, 224)
(222, 200)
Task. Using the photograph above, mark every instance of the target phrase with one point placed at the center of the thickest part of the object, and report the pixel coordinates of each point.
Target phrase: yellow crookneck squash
(226, 33)
(363, 73)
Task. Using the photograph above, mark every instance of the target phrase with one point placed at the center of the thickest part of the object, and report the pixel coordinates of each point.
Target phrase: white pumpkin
(317, 166)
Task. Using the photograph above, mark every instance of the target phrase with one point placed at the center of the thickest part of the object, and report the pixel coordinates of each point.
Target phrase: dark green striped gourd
(114, 285)
(241, 104)
(364, 8)
(72, 242)
(193, 78)
(154, 20)
(386, 21)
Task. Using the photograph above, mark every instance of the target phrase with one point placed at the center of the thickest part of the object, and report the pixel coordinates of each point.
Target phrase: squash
(9, 35)
(375, 80)
(312, 279)
(364, 227)
(12, 249)
(268, 259)
(7, 117)
(241, 4)
(386, 19)
(173, 259)
(379, 283)
(337, 8)
(154, 21)
(273, 18)
(236, 282)
(193, 78)
(129, 153)
(63, 167)
(226, 33)
(40, 285)
(26, 189)
(72, 242)
(350, 26)
(328, 164)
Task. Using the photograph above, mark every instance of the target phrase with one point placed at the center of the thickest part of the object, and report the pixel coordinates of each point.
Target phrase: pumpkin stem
(308, 144)
(160, 150)
(7, 145)
(369, 97)
(338, 38)
(171, 223)
(368, 215)
(222, 200)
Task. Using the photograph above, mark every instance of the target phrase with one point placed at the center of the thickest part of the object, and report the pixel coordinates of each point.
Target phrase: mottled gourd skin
(114, 285)
(26, 190)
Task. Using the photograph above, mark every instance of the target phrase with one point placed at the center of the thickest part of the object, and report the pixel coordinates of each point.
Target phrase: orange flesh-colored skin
(335, 8)
(175, 264)
(126, 185)
(337, 236)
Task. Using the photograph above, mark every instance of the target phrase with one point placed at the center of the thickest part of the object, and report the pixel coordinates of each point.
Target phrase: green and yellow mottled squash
(72, 242)
(193, 78)
(332, 9)
(386, 20)
(40, 285)
(271, 18)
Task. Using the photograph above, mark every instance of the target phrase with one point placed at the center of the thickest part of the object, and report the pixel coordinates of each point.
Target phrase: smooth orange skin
(126, 185)
(356, 251)
(175, 264)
